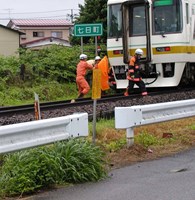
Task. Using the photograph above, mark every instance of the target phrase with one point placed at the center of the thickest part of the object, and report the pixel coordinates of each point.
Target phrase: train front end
(162, 29)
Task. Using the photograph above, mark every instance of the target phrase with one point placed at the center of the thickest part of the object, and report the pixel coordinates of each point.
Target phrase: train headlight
(117, 52)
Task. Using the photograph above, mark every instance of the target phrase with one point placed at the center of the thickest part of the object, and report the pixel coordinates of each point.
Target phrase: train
(163, 29)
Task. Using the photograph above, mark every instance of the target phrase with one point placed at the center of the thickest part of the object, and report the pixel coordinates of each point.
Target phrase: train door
(136, 29)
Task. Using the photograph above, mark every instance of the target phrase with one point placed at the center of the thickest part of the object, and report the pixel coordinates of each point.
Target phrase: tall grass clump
(71, 161)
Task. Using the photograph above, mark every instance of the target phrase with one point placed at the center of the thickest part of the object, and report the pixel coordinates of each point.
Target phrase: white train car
(163, 29)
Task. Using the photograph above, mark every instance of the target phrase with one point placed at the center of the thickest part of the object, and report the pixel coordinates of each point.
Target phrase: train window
(114, 21)
(138, 23)
(167, 17)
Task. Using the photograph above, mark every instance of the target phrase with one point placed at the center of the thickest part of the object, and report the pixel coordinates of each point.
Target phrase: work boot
(144, 93)
(126, 93)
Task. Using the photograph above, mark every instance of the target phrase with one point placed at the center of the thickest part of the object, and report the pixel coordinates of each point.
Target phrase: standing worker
(97, 60)
(103, 65)
(134, 75)
(82, 68)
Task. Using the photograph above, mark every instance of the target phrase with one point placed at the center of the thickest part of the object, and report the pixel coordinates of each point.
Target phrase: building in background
(45, 42)
(9, 41)
(38, 31)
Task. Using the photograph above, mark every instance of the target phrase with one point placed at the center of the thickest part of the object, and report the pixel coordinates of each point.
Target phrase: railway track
(23, 109)
(105, 105)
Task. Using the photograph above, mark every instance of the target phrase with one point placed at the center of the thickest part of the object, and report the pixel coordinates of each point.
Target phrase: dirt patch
(178, 135)
(136, 153)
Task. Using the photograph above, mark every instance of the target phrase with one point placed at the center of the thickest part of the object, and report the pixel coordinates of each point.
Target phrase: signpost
(88, 30)
(92, 30)
(96, 94)
(37, 107)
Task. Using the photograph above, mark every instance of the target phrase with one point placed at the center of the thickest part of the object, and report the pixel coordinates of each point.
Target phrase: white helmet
(83, 56)
(97, 58)
(139, 52)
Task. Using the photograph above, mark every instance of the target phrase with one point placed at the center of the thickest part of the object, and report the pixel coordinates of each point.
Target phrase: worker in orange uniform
(82, 68)
(103, 65)
(134, 75)
(97, 60)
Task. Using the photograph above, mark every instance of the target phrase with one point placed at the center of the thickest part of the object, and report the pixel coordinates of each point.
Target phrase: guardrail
(31, 134)
(130, 117)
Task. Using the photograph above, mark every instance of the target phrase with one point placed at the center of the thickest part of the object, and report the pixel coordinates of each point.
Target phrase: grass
(25, 95)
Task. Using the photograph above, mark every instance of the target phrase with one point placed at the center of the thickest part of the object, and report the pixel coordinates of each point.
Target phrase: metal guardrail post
(130, 136)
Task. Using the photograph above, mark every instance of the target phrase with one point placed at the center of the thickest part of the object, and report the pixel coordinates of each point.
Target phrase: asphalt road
(170, 178)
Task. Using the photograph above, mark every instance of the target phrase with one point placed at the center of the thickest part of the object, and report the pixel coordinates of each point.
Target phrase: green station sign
(84, 30)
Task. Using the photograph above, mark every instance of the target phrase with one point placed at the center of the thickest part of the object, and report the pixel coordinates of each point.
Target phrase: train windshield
(114, 21)
(138, 23)
(167, 16)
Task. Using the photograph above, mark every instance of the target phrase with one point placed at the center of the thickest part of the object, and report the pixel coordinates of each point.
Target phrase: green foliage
(24, 94)
(71, 161)
(8, 65)
(116, 145)
(102, 123)
(50, 72)
(81, 161)
(146, 139)
(55, 91)
(9, 68)
(2, 84)
(94, 12)
(192, 127)
(54, 63)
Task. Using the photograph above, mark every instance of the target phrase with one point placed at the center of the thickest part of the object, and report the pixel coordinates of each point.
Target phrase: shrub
(71, 161)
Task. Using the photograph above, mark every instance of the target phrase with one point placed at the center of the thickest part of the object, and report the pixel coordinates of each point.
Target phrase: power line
(37, 17)
(71, 18)
(37, 12)
(69, 15)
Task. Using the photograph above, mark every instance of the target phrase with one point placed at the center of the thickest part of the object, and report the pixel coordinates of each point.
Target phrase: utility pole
(71, 16)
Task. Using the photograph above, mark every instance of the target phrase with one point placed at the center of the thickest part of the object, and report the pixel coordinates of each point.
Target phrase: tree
(94, 12)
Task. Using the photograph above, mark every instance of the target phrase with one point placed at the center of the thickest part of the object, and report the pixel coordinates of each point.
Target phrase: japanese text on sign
(88, 30)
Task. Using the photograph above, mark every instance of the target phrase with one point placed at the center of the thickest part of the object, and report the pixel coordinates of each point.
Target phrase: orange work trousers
(82, 85)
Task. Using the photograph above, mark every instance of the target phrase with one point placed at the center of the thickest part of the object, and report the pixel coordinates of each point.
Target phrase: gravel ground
(102, 108)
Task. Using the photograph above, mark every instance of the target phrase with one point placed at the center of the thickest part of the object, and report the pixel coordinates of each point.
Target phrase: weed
(146, 139)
